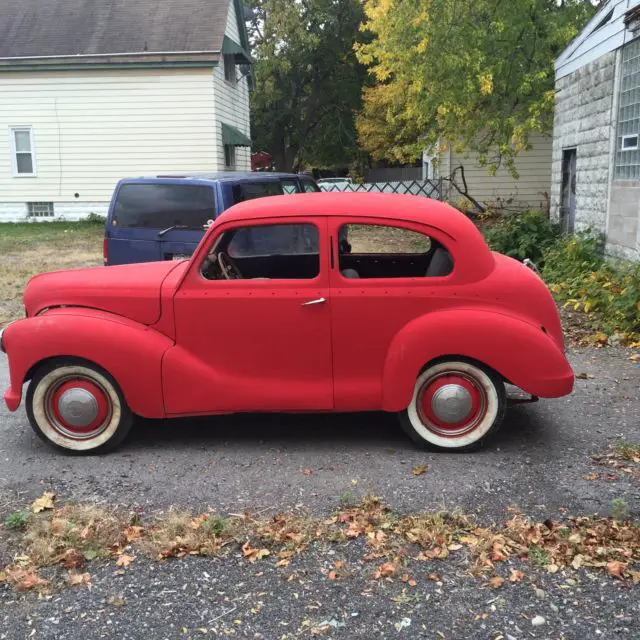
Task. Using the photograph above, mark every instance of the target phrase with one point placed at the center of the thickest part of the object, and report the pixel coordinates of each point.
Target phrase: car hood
(131, 290)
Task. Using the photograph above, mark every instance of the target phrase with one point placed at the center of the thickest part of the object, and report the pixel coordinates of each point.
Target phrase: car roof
(473, 257)
(372, 205)
(219, 176)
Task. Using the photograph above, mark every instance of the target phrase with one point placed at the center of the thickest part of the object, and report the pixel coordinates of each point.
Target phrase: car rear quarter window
(158, 206)
(251, 190)
(387, 251)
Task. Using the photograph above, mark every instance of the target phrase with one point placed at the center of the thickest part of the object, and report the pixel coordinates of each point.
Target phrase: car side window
(274, 251)
(386, 251)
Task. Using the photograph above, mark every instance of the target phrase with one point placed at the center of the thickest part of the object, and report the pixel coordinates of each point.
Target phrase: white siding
(232, 102)
(91, 128)
(530, 190)
(590, 44)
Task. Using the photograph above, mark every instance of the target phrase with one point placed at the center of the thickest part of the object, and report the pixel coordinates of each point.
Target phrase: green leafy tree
(308, 82)
(478, 74)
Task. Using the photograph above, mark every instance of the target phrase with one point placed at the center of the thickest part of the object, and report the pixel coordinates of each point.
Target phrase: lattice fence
(427, 189)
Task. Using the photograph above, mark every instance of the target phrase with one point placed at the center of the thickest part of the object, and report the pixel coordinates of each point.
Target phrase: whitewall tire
(77, 407)
(455, 406)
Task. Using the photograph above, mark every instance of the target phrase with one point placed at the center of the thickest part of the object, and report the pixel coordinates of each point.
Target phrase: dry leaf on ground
(419, 470)
(76, 579)
(124, 560)
(44, 502)
(495, 583)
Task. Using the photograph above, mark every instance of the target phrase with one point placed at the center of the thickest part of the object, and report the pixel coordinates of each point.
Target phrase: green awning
(229, 47)
(234, 137)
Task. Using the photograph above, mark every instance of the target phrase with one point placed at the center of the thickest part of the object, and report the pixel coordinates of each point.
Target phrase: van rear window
(250, 190)
(158, 206)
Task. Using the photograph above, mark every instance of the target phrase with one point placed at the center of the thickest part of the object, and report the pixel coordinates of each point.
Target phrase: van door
(158, 220)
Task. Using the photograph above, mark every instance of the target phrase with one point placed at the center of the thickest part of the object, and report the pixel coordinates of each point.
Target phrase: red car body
(178, 344)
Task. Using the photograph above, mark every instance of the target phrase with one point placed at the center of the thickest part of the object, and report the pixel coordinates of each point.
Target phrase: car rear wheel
(456, 406)
(77, 407)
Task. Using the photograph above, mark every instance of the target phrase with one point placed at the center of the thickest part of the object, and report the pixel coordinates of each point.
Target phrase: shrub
(576, 271)
(527, 235)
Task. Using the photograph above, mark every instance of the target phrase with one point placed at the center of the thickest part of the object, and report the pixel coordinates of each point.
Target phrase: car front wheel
(456, 405)
(77, 407)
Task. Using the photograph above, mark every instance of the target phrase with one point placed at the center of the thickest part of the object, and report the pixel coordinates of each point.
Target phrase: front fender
(131, 352)
(518, 350)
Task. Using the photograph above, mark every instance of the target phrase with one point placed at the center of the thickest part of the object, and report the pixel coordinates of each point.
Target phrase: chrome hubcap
(78, 407)
(452, 403)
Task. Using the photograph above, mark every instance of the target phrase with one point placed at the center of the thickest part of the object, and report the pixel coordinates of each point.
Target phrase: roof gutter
(138, 57)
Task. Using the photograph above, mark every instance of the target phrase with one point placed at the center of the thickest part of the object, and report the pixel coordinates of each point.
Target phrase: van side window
(158, 206)
(251, 190)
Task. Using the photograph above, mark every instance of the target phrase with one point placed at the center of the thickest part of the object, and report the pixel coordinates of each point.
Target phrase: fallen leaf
(23, 579)
(635, 357)
(515, 575)
(385, 570)
(419, 470)
(333, 575)
(615, 568)
(338, 564)
(73, 559)
(44, 502)
(307, 472)
(75, 579)
(495, 583)
(591, 476)
(412, 583)
(90, 554)
(132, 533)
(116, 601)
(124, 560)
(252, 554)
(552, 568)
(454, 547)
(434, 577)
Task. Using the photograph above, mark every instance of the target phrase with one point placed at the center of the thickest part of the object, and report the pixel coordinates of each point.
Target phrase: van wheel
(456, 406)
(77, 407)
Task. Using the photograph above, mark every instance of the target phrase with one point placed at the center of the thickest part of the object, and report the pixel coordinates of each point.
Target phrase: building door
(568, 204)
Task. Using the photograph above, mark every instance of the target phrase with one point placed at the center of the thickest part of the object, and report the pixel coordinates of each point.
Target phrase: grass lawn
(28, 248)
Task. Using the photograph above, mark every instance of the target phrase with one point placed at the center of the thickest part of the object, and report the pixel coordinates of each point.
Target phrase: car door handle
(312, 302)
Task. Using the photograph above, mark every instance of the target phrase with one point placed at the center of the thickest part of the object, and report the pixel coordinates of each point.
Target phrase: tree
(478, 74)
(308, 82)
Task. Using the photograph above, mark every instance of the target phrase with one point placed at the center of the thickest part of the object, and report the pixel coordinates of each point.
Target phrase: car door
(381, 281)
(260, 343)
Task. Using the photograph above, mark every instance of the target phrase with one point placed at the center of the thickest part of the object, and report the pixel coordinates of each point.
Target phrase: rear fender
(131, 352)
(519, 351)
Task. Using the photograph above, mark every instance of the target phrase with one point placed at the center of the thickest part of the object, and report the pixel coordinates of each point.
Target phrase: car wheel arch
(505, 344)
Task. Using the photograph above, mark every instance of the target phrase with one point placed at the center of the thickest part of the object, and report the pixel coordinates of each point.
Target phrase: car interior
(290, 252)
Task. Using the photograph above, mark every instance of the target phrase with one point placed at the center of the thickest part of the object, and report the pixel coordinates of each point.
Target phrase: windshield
(159, 206)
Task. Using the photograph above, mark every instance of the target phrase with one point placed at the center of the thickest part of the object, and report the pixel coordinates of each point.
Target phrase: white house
(95, 90)
(596, 141)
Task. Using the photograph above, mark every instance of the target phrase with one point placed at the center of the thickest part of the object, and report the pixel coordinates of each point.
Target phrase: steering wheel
(228, 268)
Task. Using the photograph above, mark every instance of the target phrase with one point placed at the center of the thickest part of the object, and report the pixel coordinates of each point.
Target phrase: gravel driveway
(540, 461)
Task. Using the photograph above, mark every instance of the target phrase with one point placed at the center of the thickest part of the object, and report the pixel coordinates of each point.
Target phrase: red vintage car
(305, 303)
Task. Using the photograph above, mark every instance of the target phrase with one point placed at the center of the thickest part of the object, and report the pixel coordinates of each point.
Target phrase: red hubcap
(78, 408)
(451, 404)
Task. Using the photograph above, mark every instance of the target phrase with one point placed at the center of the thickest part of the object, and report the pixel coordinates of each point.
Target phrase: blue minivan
(164, 217)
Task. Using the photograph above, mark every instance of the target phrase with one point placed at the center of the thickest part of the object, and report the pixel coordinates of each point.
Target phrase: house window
(40, 209)
(23, 157)
(229, 68)
(229, 156)
(627, 147)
